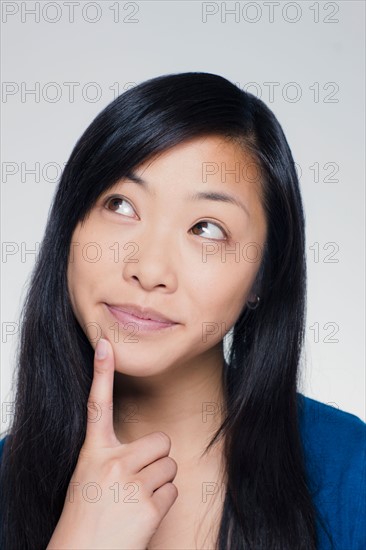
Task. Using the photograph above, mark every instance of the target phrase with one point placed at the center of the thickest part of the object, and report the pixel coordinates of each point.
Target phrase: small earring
(254, 305)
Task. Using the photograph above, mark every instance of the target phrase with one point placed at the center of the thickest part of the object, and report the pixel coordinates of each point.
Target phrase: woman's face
(152, 245)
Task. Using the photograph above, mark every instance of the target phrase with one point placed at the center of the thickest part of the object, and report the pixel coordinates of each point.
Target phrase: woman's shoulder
(328, 425)
(334, 440)
(317, 411)
(335, 451)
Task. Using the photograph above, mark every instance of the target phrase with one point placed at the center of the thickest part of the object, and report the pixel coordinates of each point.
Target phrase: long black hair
(268, 503)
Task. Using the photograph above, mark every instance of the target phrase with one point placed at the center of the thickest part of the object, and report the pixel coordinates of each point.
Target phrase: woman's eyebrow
(202, 195)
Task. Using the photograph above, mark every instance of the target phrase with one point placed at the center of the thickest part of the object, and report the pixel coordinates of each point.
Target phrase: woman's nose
(153, 262)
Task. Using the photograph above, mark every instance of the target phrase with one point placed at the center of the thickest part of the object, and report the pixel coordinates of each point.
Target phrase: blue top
(335, 450)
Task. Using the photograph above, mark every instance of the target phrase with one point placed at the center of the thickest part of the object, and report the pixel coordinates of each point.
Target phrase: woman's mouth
(143, 325)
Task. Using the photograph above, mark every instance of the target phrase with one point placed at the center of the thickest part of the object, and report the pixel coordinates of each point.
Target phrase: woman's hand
(119, 492)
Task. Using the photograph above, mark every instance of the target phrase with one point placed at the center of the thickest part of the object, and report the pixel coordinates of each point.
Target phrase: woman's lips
(144, 325)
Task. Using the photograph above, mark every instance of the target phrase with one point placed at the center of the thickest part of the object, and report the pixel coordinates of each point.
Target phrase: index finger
(100, 430)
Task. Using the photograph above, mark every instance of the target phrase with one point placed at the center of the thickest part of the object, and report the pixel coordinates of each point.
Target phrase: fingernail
(101, 349)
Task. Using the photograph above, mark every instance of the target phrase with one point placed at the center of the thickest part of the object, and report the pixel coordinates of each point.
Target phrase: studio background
(63, 62)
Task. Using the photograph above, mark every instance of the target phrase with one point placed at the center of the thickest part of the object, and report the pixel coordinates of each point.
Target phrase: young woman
(178, 220)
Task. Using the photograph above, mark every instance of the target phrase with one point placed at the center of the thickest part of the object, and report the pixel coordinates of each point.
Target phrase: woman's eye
(207, 233)
(114, 201)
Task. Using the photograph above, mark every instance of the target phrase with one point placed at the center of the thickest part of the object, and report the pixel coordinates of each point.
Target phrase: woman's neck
(186, 403)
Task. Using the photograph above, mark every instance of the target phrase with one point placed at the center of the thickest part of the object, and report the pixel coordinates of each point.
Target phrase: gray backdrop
(64, 61)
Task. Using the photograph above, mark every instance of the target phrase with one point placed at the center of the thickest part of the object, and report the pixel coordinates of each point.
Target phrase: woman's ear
(254, 291)
(252, 296)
